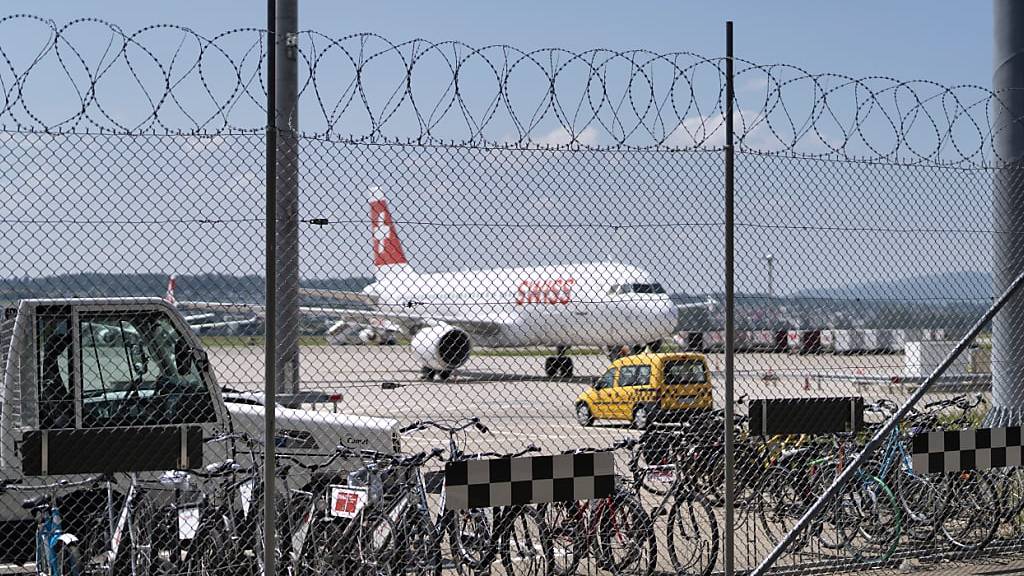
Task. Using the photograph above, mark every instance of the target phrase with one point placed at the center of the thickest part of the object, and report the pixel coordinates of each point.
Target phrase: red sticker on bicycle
(346, 501)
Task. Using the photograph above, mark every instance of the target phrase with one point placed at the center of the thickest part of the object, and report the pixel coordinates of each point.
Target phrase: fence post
(286, 91)
(730, 328)
(270, 319)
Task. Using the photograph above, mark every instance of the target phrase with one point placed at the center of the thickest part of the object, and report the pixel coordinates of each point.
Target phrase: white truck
(123, 385)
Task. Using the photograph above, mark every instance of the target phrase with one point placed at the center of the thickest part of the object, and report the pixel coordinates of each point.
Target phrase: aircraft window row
(636, 289)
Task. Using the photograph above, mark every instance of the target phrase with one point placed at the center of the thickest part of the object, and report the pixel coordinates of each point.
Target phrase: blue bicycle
(56, 551)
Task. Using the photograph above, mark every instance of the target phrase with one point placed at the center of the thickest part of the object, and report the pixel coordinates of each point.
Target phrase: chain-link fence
(509, 312)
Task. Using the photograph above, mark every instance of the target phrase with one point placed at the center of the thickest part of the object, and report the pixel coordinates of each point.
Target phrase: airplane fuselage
(596, 304)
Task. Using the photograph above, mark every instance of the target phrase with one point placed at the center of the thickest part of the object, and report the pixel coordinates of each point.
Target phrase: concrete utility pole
(1008, 325)
(287, 81)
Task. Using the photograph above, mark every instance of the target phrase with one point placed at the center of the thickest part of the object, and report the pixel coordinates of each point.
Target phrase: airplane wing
(339, 295)
(223, 324)
(407, 322)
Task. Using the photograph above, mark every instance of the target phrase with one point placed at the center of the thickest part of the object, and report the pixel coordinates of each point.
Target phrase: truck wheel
(583, 414)
(641, 417)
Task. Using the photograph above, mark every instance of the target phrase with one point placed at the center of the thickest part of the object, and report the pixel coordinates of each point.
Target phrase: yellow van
(648, 387)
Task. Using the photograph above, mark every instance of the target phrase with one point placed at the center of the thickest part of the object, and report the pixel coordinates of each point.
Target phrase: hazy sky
(868, 215)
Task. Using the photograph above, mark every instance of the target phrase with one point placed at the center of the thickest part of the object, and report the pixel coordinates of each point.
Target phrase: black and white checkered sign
(972, 449)
(528, 480)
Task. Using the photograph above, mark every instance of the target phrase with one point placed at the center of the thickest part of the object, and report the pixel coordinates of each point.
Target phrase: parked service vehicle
(124, 385)
(648, 387)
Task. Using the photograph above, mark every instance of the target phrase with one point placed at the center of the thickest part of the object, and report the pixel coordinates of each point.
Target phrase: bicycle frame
(49, 534)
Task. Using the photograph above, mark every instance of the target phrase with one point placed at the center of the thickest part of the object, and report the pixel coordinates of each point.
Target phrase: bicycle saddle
(33, 503)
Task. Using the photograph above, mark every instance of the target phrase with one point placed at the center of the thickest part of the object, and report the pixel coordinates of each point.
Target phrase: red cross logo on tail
(169, 296)
(387, 249)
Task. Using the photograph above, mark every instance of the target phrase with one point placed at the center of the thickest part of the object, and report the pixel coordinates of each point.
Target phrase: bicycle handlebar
(450, 428)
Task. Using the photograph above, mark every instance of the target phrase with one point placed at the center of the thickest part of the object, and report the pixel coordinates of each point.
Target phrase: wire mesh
(502, 255)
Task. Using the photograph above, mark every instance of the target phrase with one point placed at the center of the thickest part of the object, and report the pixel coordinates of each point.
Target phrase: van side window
(684, 372)
(635, 375)
(643, 376)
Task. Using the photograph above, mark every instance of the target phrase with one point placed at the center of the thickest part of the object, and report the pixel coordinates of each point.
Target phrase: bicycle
(468, 530)
(57, 552)
(376, 523)
(615, 531)
(864, 518)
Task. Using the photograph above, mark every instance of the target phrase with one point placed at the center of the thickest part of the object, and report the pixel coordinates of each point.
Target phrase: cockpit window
(636, 288)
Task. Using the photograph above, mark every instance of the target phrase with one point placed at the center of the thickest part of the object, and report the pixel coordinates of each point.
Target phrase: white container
(870, 342)
(920, 359)
(848, 341)
(827, 340)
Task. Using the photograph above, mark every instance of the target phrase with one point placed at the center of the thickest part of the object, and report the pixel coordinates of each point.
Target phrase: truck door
(138, 370)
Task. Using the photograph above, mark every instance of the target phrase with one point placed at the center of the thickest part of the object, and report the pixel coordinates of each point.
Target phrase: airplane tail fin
(387, 248)
(169, 296)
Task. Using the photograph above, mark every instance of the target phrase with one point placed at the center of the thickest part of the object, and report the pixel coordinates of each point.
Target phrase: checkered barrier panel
(528, 480)
(971, 449)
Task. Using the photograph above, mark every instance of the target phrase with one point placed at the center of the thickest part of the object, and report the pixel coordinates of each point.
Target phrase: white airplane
(604, 304)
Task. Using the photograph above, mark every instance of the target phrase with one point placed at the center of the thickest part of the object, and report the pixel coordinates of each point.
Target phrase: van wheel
(444, 374)
(641, 417)
(583, 414)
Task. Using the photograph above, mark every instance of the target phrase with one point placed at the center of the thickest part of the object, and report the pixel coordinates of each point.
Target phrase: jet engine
(442, 347)
(369, 336)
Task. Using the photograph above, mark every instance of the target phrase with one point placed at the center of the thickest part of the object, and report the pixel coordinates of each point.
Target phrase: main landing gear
(559, 365)
(428, 374)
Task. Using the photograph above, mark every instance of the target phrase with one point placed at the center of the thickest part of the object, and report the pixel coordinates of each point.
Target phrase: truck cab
(124, 386)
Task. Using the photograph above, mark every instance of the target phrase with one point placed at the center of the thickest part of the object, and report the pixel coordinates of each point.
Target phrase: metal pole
(883, 433)
(287, 121)
(771, 280)
(730, 328)
(270, 330)
(1008, 83)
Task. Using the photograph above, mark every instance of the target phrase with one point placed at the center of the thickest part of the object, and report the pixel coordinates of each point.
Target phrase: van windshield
(684, 372)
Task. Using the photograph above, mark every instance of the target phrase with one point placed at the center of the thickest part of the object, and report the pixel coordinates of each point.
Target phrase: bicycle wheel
(141, 552)
(524, 542)
(566, 525)
(469, 537)
(419, 545)
(780, 501)
(1009, 486)
(972, 512)
(69, 560)
(922, 500)
(868, 517)
(692, 535)
(207, 552)
(625, 539)
(377, 549)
